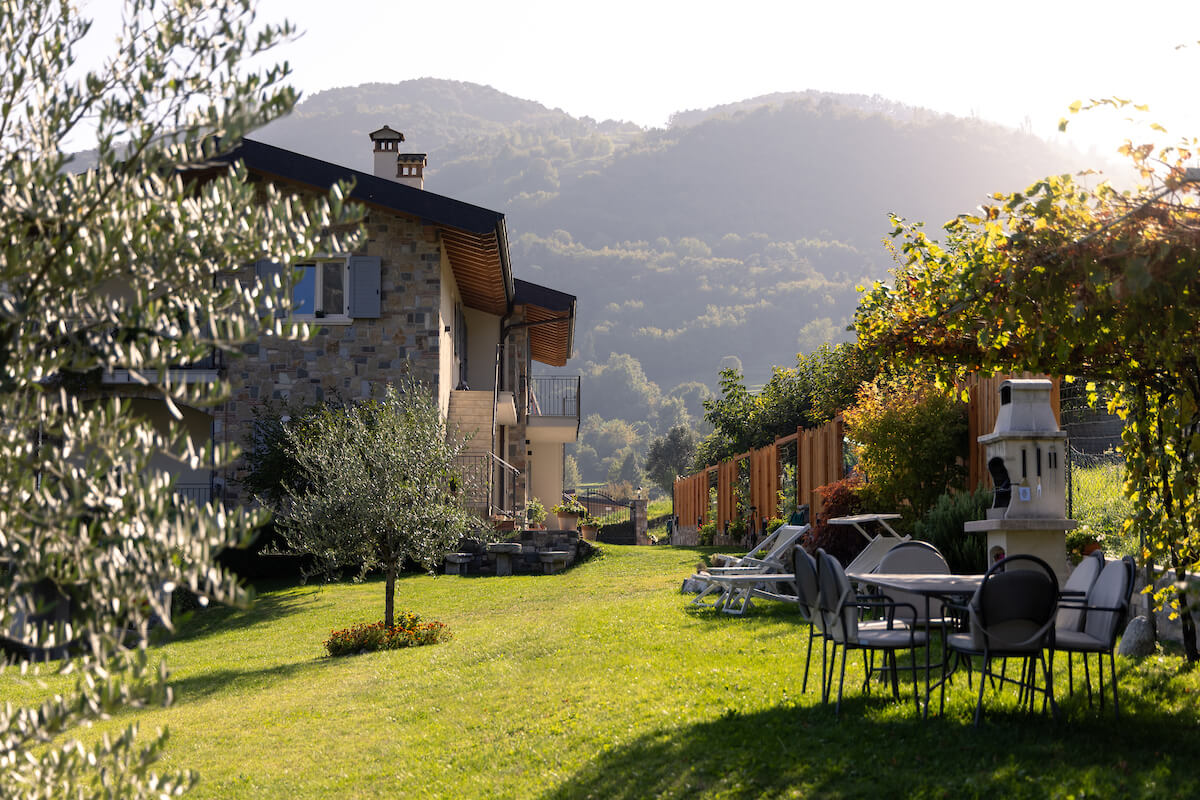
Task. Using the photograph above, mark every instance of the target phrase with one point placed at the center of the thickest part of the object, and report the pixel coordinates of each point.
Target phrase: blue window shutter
(364, 286)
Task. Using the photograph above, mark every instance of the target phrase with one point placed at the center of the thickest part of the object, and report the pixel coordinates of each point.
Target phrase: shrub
(707, 534)
(535, 512)
(841, 498)
(570, 506)
(909, 438)
(739, 529)
(408, 631)
(942, 527)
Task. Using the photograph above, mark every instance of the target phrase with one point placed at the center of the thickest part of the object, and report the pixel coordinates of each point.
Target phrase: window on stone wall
(333, 289)
(319, 289)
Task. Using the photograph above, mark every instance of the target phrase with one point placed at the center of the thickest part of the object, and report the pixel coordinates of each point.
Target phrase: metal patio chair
(1107, 604)
(1012, 615)
(841, 607)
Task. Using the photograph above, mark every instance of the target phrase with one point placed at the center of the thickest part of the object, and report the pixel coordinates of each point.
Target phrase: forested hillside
(740, 231)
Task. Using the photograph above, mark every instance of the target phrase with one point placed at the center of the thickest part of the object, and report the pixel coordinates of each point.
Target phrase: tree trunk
(1185, 615)
(389, 602)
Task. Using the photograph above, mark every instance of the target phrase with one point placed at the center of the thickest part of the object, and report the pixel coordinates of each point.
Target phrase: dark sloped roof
(368, 188)
(544, 296)
(476, 238)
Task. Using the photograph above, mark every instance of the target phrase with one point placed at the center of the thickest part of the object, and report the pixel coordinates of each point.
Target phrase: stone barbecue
(1026, 458)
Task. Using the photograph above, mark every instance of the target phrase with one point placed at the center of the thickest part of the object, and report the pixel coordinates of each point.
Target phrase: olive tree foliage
(1072, 280)
(121, 265)
(380, 487)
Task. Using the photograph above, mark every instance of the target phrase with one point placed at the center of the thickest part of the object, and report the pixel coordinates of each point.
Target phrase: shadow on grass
(792, 751)
(265, 609)
(198, 687)
(759, 611)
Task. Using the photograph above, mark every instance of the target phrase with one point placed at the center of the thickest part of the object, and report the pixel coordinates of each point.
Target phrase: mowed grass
(603, 683)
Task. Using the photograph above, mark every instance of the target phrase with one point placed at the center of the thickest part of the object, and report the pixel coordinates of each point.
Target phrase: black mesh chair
(1012, 615)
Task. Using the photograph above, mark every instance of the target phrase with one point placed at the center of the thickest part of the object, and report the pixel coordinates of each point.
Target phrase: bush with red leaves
(839, 499)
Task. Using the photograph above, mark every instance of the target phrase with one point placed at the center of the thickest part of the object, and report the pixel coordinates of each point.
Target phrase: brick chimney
(390, 163)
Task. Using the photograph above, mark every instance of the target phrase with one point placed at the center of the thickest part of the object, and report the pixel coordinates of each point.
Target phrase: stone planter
(589, 531)
(568, 522)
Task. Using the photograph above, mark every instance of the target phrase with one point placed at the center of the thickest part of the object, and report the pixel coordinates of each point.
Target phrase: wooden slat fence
(764, 480)
(691, 499)
(819, 461)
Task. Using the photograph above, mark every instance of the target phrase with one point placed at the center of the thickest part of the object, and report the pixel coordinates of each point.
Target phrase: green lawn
(603, 683)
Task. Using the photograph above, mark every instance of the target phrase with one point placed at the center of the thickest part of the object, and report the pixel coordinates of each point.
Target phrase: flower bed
(408, 631)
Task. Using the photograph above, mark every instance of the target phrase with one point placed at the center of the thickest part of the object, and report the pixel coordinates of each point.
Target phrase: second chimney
(390, 163)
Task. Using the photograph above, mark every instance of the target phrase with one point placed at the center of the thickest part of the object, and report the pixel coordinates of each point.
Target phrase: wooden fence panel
(819, 461)
(727, 474)
(691, 498)
(764, 481)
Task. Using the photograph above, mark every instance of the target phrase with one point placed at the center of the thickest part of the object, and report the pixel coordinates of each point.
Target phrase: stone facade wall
(349, 361)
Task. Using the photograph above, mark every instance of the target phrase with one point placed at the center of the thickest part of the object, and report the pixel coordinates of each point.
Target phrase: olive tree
(376, 486)
(122, 265)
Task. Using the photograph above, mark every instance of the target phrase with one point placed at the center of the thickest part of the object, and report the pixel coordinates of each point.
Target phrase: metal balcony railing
(489, 484)
(199, 493)
(554, 396)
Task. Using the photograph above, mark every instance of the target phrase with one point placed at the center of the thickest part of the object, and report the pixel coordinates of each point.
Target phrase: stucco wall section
(483, 332)
(546, 472)
(447, 363)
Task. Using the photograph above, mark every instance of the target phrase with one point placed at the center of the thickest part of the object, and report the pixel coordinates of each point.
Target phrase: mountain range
(735, 235)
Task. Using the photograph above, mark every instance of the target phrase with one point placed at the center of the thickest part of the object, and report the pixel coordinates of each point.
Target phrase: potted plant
(535, 513)
(568, 513)
(589, 527)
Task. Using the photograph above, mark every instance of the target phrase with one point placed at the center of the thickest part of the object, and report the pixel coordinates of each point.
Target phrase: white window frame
(321, 315)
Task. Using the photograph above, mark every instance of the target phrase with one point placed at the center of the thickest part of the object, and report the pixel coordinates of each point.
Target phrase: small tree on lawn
(909, 437)
(381, 487)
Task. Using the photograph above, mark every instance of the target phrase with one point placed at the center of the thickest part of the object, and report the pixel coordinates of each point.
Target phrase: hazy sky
(640, 60)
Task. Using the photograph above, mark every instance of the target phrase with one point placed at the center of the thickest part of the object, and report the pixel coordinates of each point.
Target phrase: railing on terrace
(199, 493)
(554, 396)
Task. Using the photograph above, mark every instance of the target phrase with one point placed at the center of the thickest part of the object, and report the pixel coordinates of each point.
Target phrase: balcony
(204, 370)
(552, 408)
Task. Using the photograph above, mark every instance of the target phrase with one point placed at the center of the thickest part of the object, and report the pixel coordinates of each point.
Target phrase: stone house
(431, 290)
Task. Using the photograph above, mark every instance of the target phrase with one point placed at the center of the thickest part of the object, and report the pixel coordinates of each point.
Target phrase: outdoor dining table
(927, 585)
